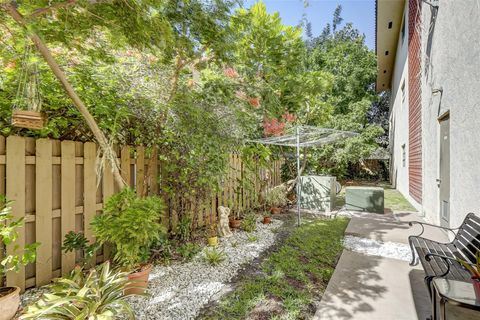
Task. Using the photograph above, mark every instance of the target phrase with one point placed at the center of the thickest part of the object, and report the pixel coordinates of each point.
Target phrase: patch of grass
(295, 274)
(396, 201)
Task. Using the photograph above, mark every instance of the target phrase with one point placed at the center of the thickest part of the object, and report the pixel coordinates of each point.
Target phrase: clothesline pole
(299, 190)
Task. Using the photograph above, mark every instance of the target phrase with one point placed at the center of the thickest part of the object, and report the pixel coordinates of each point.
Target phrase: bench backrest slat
(467, 239)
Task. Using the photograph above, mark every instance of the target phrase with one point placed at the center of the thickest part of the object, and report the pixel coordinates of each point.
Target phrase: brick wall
(414, 98)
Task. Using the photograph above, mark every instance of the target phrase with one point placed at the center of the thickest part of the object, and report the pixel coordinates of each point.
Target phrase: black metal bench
(441, 259)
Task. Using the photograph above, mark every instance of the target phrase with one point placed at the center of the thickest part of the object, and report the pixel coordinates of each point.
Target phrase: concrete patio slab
(392, 227)
(371, 288)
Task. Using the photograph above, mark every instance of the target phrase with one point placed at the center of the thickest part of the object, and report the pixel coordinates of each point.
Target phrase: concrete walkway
(374, 287)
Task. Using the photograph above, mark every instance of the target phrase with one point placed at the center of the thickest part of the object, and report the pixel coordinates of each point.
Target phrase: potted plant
(267, 217)
(234, 222)
(131, 225)
(10, 296)
(276, 198)
(212, 238)
(474, 269)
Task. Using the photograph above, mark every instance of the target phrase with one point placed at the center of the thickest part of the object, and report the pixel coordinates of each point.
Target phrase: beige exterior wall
(451, 61)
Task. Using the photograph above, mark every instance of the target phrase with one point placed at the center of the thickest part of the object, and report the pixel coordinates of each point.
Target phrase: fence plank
(90, 187)
(68, 200)
(125, 165)
(43, 211)
(15, 185)
(140, 171)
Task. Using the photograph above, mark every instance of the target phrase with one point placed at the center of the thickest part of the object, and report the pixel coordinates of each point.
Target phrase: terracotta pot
(235, 223)
(476, 287)
(275, 210)
(9, 302)
(139, 280)
(267, 220)
(212, 241)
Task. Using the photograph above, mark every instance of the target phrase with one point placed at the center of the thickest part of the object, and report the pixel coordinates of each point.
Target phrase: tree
(146, 24)
(344, 55)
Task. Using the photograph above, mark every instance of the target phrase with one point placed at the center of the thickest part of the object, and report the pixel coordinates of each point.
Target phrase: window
(404, 156)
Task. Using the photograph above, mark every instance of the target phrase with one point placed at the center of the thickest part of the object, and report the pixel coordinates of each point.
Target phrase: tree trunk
(99, 136)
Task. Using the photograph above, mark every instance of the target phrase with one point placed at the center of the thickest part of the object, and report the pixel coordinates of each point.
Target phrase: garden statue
(223, 228)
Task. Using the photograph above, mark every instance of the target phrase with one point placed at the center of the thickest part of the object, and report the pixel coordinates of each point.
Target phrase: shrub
(184, 228)
(188, 250)
(131, 225)
(9, 234)
(252, 238)
(277, 196)
(99, 294)
(214, 257)
(249, 223)
(77, 241)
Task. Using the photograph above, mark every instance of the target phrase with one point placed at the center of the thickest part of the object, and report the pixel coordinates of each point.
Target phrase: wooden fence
(53, 185)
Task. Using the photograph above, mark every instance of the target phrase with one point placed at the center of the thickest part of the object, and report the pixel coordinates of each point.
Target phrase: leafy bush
(188, 250)
(184, 228)
(99, 294)
(9, 234)
(277, 196)
(162, 250)
(249, 223)
(214, 257)
(131, 225)
(77, 241)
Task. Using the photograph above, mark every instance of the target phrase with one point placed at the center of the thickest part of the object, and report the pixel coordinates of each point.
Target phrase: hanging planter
(28, 119)
(28, 102)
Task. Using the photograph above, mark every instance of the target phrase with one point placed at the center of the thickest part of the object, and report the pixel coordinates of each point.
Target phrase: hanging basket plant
(28, 104)
(28, 119)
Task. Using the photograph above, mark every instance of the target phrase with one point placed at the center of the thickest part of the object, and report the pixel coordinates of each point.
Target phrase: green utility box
(368, 199)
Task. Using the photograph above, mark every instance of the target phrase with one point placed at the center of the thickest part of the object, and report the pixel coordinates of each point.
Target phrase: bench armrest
(445, 260)
(423, 224)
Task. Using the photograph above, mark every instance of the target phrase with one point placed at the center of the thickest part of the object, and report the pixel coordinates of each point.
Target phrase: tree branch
(45, 10)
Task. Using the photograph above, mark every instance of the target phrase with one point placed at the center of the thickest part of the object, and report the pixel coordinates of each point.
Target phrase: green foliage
(163, 250)
(131, 225)
(9, 229)
(295, 274)
(474, 269)
(188, 250)
(252, 238)
(249, 222)
(184, 228)
(277, 196)
(96, 294)
(77, 241)
(214, 257)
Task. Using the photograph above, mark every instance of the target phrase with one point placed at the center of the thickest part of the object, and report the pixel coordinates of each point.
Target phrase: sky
(319, 12)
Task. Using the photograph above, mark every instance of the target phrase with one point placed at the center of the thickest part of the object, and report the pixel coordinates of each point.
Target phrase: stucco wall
(451, 61)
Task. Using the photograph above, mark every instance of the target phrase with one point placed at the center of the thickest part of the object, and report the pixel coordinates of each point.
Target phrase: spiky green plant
(474, 269)
(214, 257)
(95, 295)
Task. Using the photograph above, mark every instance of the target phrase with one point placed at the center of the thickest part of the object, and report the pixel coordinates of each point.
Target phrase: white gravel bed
(371, 247)
(180, 290)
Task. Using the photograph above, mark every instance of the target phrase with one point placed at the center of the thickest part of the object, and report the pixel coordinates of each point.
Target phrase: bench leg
(428, 283)
(414, 261)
